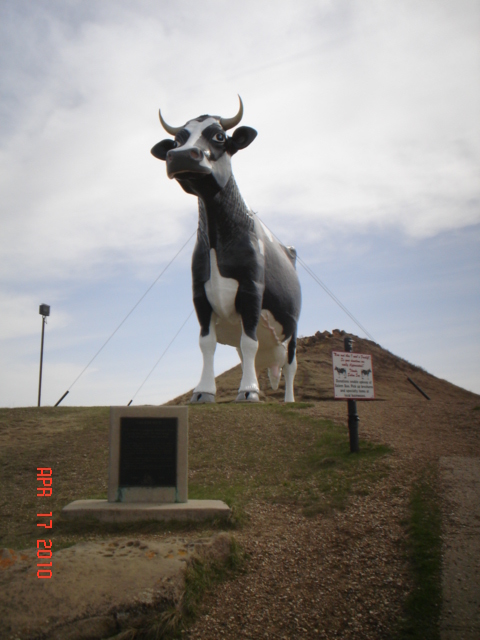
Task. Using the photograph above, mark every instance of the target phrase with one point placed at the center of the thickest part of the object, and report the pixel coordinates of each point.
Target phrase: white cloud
(369, 119)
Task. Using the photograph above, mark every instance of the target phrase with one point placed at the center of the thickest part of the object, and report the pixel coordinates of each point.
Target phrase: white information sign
(353, 375)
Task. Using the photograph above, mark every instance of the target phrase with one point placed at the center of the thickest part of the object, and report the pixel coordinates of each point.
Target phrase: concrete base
(134, 511)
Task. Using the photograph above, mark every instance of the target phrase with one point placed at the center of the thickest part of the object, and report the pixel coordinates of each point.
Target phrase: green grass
(423, 605)
(203, 574)
(282, 454)
(332, 473)
(237, 453)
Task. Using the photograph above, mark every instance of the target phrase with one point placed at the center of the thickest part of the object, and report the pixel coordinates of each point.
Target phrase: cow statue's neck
(223, 216)
(245, 288)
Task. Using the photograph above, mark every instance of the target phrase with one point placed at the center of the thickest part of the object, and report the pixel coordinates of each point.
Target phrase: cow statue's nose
(194, 152)
(187, 160)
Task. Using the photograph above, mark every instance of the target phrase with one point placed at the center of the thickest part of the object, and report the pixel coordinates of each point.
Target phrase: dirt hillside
(356, 580)
(314, 379)
(328, 550)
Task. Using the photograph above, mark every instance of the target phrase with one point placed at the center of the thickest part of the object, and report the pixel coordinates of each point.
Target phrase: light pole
(44, 311)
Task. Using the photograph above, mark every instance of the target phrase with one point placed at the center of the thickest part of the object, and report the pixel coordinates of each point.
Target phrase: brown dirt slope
(337, 573)
(314, 379)
(347, 575)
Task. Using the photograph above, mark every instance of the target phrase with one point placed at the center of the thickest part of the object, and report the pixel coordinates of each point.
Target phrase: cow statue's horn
(171, 130)
(229, 123)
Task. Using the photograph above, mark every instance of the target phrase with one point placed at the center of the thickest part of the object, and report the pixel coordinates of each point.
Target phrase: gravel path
(461, 552)
(346, 575)
(314, 578)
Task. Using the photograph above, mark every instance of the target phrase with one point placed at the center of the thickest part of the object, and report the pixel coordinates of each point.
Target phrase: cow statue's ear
(241, 138)
(161, 149)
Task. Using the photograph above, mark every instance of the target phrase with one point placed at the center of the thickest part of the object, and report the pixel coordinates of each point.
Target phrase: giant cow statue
(245, 287)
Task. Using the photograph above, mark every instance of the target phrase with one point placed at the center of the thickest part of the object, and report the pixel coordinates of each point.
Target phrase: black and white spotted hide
(245, 287)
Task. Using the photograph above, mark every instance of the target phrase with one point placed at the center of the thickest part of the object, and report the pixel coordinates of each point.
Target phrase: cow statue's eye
(219, 137)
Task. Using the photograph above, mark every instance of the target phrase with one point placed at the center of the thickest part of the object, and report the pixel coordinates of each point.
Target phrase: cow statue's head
(199, 156)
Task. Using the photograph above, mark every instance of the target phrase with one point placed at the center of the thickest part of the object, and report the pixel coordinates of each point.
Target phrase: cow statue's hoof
(247, 396)
(200, 397)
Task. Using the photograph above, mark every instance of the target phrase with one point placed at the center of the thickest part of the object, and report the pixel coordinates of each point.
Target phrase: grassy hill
(235, 451)
(297, 493)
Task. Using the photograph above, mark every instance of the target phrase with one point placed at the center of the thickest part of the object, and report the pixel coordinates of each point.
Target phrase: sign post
(353, 380)
(353, 418)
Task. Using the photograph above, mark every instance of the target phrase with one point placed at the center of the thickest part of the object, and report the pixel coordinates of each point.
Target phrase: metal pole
(41, 362)
(418, 388)
(353, 418)
(64, 396)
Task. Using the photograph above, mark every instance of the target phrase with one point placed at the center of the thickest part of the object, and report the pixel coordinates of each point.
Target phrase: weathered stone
(87, 629)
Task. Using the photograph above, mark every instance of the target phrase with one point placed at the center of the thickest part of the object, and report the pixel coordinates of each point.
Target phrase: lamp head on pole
(44, 310)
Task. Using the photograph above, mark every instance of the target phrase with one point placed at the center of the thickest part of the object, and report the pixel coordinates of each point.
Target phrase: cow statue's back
(245, 287)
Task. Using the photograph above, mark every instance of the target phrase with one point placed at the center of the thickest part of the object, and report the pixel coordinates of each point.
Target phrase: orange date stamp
(44, 549)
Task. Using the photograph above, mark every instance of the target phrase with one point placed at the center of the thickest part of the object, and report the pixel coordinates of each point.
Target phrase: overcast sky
(367, 160)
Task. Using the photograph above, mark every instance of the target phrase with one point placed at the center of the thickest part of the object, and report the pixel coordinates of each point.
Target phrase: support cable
(303, 264)
(334, 297)
(337, 301)
(127, 316)
(324, 286)
(158, 361)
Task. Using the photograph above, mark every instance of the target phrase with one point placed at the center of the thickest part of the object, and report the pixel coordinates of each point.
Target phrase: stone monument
(148, 470)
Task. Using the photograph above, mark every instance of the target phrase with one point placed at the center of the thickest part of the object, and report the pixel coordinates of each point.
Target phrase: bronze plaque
(148, 452)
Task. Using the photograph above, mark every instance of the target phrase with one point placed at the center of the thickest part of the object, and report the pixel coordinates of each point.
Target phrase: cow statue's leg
(239, 351)
(290, 369)
(206, 388)
(249, 389)
(248, 303)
